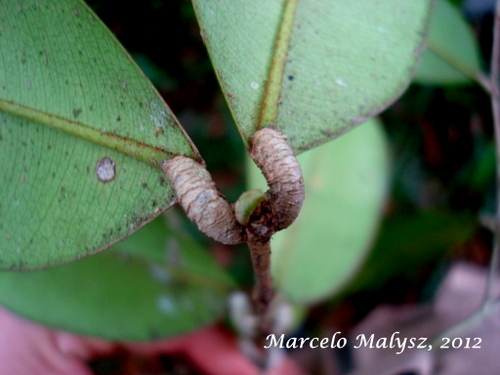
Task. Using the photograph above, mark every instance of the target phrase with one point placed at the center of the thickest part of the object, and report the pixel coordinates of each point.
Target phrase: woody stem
(263, 291)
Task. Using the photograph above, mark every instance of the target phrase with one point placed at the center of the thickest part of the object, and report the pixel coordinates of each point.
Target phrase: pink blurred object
(29, 348)
(458, 298)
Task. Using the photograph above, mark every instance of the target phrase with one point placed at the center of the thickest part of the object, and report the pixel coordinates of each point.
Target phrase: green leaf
(452, 55)
(346, 183)
(311, 69)
(119, 295)
(71, 98)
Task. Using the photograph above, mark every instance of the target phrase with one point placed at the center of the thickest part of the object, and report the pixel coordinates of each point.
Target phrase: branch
(254, 218)
(495, 103)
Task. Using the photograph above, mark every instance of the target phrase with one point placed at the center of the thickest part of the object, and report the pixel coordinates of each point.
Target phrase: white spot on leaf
(254, 85)
(105, 170)
(160, 115)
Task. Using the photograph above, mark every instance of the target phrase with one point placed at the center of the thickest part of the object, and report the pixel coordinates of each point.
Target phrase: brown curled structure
(280, 167)
(204, 205)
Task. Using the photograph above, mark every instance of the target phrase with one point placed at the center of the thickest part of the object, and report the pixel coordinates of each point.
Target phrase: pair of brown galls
(215, 216)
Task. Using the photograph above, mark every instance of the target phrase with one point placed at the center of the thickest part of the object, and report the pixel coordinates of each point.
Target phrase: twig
(484, 81)
(253, 219)
(263, 291)
(281, 206)
(492, 85)
(495, 103)
(262, 296)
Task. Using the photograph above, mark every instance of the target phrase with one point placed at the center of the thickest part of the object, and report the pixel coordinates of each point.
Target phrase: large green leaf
(81, 131)
(175, 288)
(346, 183)
(311, 69)
(452, 54)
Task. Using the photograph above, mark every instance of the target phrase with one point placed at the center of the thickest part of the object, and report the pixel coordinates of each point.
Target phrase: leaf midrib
(269, 108)
(138, 150)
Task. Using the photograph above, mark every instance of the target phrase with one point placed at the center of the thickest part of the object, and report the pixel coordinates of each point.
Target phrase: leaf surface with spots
(82, 132)
(311, 69)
